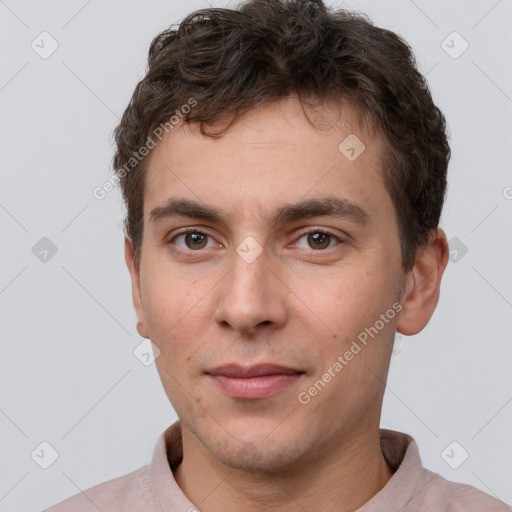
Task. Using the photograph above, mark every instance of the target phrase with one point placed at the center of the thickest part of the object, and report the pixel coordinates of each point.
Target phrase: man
(284, 171)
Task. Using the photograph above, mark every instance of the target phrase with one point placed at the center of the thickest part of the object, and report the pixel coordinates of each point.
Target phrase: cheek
(177, 325)
(176, 312)
(350, 365)
(347, 307)
(344, 298)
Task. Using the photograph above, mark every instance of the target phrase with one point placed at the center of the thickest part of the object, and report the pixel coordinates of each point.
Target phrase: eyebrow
(327, 206)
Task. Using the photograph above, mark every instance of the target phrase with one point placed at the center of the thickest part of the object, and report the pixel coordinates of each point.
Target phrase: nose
(251, 297)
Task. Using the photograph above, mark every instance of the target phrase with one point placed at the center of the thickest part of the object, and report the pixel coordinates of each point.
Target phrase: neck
(338, 478)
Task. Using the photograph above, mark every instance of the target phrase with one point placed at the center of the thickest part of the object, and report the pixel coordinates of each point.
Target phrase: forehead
(274, 125)
(271, 155)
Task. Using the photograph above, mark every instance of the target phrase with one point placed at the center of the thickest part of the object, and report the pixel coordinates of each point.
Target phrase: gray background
(68, 373)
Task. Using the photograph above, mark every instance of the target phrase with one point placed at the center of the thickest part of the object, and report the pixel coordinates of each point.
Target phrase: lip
(253, 382)
(258, 370)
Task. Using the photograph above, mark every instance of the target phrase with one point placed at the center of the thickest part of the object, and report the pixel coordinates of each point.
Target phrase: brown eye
(195, 240)
(319, 240)
(192, 240)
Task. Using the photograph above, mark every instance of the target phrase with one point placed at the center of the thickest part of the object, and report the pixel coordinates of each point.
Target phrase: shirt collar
(399, 450)
(401, 453)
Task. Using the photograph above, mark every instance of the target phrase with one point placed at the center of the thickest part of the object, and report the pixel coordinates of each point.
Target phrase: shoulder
(439, 494)
(128, 492)
(414, 488)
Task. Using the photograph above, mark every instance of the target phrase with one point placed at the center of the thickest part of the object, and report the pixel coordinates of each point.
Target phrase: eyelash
(311, 231)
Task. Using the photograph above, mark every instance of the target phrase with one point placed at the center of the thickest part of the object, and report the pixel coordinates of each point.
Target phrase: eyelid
(318, 229)
(184, 231)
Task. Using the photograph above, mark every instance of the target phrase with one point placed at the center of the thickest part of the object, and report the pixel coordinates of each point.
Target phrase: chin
(254, 445)
(264, 459)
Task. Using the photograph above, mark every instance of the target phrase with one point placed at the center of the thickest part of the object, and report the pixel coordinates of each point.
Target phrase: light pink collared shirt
(412, 488)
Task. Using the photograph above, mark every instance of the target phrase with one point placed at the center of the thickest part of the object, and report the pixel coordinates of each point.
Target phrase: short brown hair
(232, 60)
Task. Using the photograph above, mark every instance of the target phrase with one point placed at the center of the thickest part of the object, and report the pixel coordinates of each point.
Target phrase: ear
(422, 284)
(136, 289)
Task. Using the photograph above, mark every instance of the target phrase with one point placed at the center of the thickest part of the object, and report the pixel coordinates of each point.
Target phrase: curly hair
(221, 63)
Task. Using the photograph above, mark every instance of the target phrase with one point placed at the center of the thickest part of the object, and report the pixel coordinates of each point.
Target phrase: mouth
(253, 382)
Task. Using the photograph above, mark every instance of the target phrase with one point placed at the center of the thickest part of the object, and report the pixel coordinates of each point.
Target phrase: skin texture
(300, 303)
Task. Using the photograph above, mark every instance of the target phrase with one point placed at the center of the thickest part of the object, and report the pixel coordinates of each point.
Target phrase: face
(292, 257)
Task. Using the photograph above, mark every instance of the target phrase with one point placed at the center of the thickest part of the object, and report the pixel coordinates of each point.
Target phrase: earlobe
(421, 291)
(136, 289)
